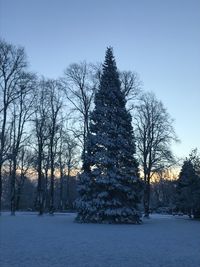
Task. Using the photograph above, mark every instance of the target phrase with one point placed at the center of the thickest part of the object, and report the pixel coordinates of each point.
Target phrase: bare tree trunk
(40, 192)
(19, 190)
(51, 208)
(147, 199)
(60, 154)
(40, 196)
(46, 198)
(68, 188)
(13, 189)
(18, 197)
(46, 191)
(61, 185)
(2, 148)
(0, 187)
(1, 165)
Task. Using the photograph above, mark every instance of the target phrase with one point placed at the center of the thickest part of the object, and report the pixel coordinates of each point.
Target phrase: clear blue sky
(158, 39)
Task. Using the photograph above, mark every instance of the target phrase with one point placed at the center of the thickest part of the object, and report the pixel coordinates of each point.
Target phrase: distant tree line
(44, 125)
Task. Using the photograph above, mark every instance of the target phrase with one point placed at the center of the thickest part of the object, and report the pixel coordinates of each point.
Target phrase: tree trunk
(46, 203)
(19, 191)
(40, 193)
(18, 197)
(46, 197)
(0, 187)
(13, 189)
(2, 143)
(68, 187)
(61, 189)
(147, 198)
(51, 208)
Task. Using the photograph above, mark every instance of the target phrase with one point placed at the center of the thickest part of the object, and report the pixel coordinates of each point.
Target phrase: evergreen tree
(109, 185)
(188, 189)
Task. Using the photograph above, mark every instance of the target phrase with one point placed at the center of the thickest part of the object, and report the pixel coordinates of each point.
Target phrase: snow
(28, 240)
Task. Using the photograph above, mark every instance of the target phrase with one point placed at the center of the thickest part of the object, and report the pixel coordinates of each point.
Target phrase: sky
(160, 40)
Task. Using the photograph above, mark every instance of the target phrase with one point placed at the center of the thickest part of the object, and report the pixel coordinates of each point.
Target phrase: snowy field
(28, 240)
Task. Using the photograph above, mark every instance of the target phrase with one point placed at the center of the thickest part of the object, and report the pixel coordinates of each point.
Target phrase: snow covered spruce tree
(109, 185)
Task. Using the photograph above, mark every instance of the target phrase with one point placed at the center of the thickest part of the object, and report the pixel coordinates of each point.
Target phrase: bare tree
(21, 113)
(80, 84)
(41, 129)
(24, 164)
(48, 106)
(131, 85)
(55, 102)
(46, 167)
(71, 162)
(61, 165)
(154, 135)
(12, 64)
(67, 162)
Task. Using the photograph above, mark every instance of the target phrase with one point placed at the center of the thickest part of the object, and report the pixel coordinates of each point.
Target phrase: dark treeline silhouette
(26, 194)
(44, 128)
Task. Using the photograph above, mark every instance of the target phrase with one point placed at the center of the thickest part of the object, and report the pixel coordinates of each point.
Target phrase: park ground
(29, 240)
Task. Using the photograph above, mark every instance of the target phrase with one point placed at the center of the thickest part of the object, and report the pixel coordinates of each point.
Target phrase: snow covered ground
(28, 240)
